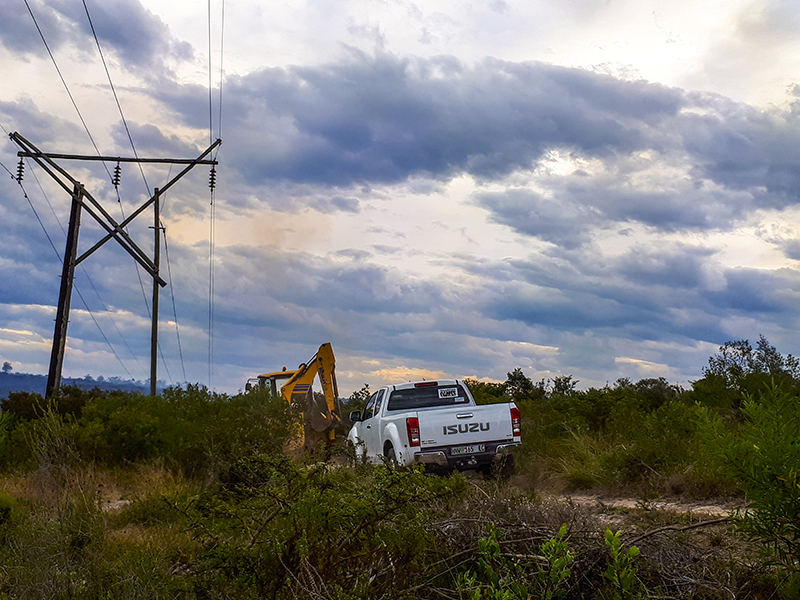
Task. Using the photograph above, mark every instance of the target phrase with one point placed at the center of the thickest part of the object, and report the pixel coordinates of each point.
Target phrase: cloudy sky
(597, 188)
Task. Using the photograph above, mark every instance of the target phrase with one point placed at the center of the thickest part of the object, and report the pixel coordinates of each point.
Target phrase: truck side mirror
(355, 416)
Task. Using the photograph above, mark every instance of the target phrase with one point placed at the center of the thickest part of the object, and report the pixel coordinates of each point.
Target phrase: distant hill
(26, 382)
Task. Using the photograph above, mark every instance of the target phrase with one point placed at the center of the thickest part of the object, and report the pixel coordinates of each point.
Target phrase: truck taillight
(516, 428)
(412, 425)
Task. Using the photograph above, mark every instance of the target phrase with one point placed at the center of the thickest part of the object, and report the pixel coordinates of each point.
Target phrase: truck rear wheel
(501, 468)
(391, 457)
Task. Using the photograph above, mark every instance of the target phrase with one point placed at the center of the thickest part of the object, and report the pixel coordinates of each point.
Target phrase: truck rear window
(424, 397)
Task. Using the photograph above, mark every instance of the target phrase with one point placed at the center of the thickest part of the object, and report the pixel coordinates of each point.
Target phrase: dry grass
(685, 552)
(89, 532)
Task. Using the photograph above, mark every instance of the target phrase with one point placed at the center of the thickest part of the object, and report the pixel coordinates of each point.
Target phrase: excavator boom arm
(321, 416)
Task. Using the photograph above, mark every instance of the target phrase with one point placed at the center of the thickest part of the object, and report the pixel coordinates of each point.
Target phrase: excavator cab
(272, 382)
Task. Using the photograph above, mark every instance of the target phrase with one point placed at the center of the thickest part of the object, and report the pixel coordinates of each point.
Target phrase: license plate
(458, 451)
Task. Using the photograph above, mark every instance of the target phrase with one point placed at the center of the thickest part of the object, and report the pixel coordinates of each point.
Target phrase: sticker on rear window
(448, 392)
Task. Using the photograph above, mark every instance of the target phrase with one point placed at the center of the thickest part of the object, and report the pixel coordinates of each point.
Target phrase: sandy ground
(720, 508)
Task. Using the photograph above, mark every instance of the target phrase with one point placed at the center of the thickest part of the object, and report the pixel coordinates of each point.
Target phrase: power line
(212, 183)
(86, 273)
(130, 139)
(147, 186)
(116, 98)
(1, 163)
(221, 70)
(77, 110)
(211, 260)
(7, 171)
(64, 82)
(210, 101)
(172, 287)
(52, 245)
(114, 179)
(174, 309)
(80, 295)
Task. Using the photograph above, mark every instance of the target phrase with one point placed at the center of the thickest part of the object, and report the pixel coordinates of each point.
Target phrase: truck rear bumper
(431, 458)
(441, 457)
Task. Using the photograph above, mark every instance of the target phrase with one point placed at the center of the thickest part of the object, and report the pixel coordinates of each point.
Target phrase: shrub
(275, 527)
(620, 574)
(763, 455)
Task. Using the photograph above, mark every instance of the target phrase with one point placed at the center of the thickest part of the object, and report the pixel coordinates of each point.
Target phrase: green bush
(763, 454)
(650, 444)
(275, 528)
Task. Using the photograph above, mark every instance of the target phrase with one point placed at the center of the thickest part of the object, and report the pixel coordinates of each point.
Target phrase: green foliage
(487, 392)
(738, 370)
(563, 385)
(24, 405)
(275, 525)
(67, 548)
(640, 433)
(6, 425)
(650, 443)
(190, 429)
(499, 577)
(358, 399)
(521, 388)
(553, 575)
(620, 574)
(763, 454)
(68, 400)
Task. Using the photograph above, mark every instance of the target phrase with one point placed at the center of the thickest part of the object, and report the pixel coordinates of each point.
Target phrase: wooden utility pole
(82, 200)
(65, 294)
(157, 261)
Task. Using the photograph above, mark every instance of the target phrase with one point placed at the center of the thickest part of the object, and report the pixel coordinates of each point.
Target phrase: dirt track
(715, 509)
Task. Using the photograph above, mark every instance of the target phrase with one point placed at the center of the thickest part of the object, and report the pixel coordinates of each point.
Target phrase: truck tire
(391, 457)
(505, 468)
(501, 469)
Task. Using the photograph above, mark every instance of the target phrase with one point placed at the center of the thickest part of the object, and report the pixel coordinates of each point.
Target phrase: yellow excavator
(320, 416)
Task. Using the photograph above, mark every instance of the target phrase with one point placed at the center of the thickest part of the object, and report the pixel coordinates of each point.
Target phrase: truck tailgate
(465, 425)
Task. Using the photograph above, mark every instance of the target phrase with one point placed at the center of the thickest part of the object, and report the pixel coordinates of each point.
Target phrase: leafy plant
(763, 454)
(499, 577)
(553, 575)
(620, 573)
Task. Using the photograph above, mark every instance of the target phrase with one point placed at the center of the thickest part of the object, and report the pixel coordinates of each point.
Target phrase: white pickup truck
(436, 423)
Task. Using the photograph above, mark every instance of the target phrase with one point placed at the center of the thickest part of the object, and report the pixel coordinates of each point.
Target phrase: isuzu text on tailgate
(436, 423)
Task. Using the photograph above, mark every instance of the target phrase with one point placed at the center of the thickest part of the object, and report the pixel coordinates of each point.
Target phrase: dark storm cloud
(674, 268)
(18, 31)
(272, 288)
(152, 141)
(30, 267)
(139, 38)
(668, 159)
(36, 126)
(755, 292)
(560, 222)
(383, 119)
(644, 294)
(744, 148)
(320, 283)
(791, 249)
(578, 203)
